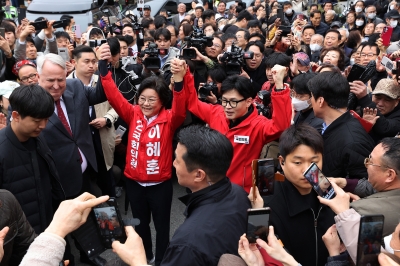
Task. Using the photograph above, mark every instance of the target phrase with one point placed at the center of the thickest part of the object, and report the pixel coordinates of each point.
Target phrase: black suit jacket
(77, 99)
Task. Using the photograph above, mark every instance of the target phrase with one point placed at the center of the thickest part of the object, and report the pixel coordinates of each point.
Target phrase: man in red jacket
(238, 119)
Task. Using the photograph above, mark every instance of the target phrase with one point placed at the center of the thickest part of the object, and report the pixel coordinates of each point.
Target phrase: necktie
(64, 121)
(62, 117)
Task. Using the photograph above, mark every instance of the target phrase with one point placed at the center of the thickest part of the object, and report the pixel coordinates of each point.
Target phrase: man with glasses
(26, 72)
(238, 119)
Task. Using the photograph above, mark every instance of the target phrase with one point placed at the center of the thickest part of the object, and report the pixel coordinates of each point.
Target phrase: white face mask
(221, 27)
(315, 47)
(371, 15)
(393, 23)
(358, 9)
(352, 61)
(288, 11)
(299, 105)
(359, 22)
(391, 7)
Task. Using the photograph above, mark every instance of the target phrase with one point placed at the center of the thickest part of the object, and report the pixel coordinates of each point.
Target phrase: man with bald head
(176, 20)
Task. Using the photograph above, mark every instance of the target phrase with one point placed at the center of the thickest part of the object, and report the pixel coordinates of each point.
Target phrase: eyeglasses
(367, 55)
(232, 103)
(368, 162)
(151, 101)
(216, 45)
(31, 76)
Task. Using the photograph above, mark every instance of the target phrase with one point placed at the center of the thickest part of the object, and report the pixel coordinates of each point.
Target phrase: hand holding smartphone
(386, 35)
(369, 240)
(319, 182)
(257, 224)
(265, 172)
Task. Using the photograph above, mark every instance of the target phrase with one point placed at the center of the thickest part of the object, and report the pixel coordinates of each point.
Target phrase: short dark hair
(217, 74)
(125, 39)
(94, 32)
(207, 14)
(207, 149)
(8, 27)
(335, 31)
(159, 21)
(187, 29)
(61, 34)
(287, 3)
(241, 84)
(301, 134)
(199, 7)
(228, 36)
(67, 18)
(259, 44)
(159, 85)
(246, 33)
(315, 12)
(299, 83)
(244, 14)
(176, 30)
(162, 32)
(308, 27)
(32, 100)
(146, 22)
(391, 157)
(313, 5)
(254, 23)
(115, 47)
(214, 27)
(77, 52)
(259, 35)
(278, 59)
(332, 86)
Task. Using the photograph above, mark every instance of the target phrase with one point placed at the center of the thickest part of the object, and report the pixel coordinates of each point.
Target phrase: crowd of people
(131, 104)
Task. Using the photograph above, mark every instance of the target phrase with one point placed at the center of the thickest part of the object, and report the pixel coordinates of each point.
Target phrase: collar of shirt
(91, 79)
(151, 119)
(163, 59)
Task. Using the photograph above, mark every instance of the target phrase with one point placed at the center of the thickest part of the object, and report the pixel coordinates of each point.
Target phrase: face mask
(371, 15)
(359, 22)
(393, 23)
(288, 11)
(391, 7)
(352, 61)
(299, 105)
(315, 47)
(221, 27)
(358, 9)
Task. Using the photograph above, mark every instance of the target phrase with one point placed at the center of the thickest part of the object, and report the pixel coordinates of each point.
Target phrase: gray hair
(346, 30)
(317, 35)
(55, 59)
(331, 12)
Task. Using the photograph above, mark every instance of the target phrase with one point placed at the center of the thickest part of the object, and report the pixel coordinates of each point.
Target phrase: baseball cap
(7, 87)
(336, 24)
(393, 14)
(303, 59)
(147, 7)
(20, 64)
(387, 87)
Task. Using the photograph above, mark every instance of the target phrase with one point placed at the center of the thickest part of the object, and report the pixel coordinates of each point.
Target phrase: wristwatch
(279, 89)
(108, 122)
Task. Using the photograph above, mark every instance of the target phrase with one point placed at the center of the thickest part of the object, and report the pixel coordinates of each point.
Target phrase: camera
(95, 43)
(265, 107)
(196, 39)
(153, 62)
(234, 60)
(206, 90)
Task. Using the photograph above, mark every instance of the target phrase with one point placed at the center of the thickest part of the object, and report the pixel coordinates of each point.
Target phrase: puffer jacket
(20, 174)
(346, 145)
(20, 235)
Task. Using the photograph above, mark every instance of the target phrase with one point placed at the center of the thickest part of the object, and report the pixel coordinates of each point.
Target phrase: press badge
(241, 139)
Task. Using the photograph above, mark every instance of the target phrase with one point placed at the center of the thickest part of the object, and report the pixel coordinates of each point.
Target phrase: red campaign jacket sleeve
(178, 111)
(202, 110)
(123, 108)
(281, 115)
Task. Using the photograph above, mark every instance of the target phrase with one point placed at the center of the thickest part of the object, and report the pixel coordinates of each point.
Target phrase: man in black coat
(27, 167)
(346, 143)
(298, 218)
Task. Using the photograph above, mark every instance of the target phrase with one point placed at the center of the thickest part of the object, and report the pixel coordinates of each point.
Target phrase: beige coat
(107, 135)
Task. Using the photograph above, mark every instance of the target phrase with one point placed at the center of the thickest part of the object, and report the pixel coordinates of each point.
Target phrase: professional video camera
(153, 62)
(196, 39)
(234, 60)
(206, 90)
(265, 107)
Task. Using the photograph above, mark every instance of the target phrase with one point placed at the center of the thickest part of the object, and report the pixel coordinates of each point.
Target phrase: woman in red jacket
(149, 155)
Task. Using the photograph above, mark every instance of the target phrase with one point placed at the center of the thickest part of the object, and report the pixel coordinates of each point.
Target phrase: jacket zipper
(316, 237)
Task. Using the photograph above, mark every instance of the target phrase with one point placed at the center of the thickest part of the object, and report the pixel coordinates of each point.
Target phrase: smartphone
(39, 25)
(265, 173)
(369, 240)
(60, 23)
(300, 16)
(388, 64)
(355, 72)
(285, 30)
(257, 224)
(109, 222)
(63, 52)
(2, 32)
(280, 15)
(120, 131)
(319, 182)
(386, 35)
(77, 31)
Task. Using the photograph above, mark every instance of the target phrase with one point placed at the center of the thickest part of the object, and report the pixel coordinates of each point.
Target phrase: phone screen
(109, 224)
(265, 178)
(257, 224)
(2, 32)
(319, 182)
(369, 240)
(355, 73)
